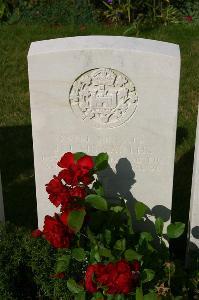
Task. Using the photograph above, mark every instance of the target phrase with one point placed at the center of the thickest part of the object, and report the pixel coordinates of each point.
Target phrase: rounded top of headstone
(104, 42)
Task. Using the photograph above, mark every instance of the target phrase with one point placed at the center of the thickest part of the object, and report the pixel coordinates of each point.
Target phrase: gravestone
(107, 94)
(194, 203)
(2, 219)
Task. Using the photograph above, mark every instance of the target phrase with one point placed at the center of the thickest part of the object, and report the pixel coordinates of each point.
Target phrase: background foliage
(148, 12)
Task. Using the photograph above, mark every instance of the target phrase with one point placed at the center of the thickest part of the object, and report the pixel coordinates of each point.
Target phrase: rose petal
(86, 162)
(66, 160)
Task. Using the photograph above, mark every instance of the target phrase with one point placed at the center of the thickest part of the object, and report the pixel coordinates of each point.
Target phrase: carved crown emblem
(105, 96)
(102, 77)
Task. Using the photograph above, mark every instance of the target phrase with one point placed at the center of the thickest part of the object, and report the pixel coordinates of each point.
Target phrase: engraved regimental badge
(104, 96)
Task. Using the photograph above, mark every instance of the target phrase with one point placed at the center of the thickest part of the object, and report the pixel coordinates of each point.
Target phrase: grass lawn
(16, 154)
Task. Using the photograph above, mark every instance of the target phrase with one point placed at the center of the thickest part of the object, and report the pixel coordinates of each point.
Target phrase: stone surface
(107, 94)
(194, 203)
(1, 202)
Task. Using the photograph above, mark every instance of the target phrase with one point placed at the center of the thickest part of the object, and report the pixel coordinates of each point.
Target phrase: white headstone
(106, 94)
(2, 218)
(194, 203)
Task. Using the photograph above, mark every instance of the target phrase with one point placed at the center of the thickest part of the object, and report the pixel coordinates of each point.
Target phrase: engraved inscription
(105, 96)
(139, 154)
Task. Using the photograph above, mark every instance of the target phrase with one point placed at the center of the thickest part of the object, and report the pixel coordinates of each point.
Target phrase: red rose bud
(136, 266)
(36, 233)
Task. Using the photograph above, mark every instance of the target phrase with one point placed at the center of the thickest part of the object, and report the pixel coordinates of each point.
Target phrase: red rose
(71, 176)
(57, 191)
(76, 171)
(58, 234)
(117, 278)
(91, 286)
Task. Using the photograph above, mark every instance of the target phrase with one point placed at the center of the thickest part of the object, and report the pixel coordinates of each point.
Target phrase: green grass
(16, 155)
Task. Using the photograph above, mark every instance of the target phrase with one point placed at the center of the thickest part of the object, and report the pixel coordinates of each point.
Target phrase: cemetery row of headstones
(109, 94)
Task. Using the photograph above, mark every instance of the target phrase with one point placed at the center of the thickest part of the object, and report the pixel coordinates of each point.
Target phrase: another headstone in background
(107, 94)
(194, 203)
(2, 218)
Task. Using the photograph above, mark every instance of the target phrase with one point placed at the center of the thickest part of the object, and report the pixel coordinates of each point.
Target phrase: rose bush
(114, 260)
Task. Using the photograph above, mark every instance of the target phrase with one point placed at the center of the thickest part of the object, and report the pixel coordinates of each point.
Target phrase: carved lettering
(136, 151)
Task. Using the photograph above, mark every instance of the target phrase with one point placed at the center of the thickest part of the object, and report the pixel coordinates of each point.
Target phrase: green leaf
(140, 210)
(74, 287)
(175, 230)
(79, 155)
(129, 219)
(76, 219)
(151, 296)
(119, 297)
(159, 225)
(101, 161)
(98, 296)
(62, 263)
(131, 255)
(78, 254)
(110, 297)
(109, 6)
(80, 296)
(117, 208)
(120, 245)
(146, 236)
(107, 236)
(94, 255)
(105, 252)
(91, 236)
(97, 202)
(139, 294)
(148, 275)
(98, 188)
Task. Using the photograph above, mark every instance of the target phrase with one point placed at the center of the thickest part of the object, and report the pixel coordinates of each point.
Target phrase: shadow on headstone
(120, 183)
(16, 163)
(195, 232)
(181, 198)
